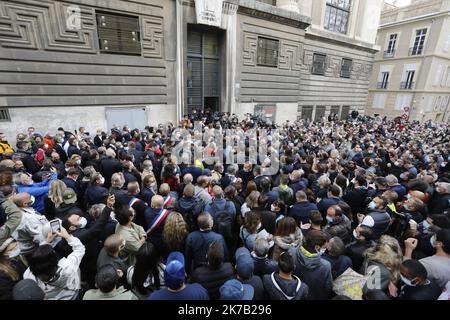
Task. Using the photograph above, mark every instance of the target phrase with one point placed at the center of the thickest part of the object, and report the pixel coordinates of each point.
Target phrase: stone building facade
(100, 63)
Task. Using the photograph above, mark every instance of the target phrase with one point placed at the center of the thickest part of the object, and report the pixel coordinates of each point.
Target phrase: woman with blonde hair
(174, 233)
(383, 262)
(54, 198)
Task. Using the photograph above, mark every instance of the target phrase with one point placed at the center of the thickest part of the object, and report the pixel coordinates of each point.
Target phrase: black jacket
(282, 289)
(108, 167)
(90, 238)
(94, 195)
(65, 209)
(356, 199)
(355, 251)
(263, 266)
(267, 219)
(438, 203)
(28, 161)
(212, 280)
(301, 211)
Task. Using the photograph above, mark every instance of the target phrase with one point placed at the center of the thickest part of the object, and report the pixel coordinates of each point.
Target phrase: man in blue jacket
(197, 242)
(301, 210)
(39, 190)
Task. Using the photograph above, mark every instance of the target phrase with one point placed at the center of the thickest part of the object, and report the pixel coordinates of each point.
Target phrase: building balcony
(415, 51)
(407, 85)
(389, 54)
(382, 85)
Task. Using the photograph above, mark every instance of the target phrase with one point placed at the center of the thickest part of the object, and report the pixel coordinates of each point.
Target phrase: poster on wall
(209, 12)
(266, 112)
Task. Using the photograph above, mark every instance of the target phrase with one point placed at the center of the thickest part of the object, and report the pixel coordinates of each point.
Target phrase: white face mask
(83, 222)
(355, 234)
(273, 208)
(259, 226)
(102, 180)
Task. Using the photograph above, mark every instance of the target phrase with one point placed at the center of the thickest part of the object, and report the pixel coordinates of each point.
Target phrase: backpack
(190, 214)
(223, 221)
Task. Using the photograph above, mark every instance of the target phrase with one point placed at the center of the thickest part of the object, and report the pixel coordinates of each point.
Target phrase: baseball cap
(244, 263)
(27, 289)
(69, 196)
(174, 274)
(234, 290)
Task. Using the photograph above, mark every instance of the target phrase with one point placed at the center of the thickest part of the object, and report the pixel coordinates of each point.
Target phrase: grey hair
(336, 247)
(391, 179)
(261, 247)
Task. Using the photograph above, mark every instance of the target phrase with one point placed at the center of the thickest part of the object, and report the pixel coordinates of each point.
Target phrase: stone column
(291, 5)
(229, 22)
(180, 60)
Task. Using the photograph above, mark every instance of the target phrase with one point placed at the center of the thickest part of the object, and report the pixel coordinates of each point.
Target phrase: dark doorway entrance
(203, 70)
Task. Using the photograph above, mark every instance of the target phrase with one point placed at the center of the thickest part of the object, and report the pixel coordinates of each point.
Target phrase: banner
(209, 12)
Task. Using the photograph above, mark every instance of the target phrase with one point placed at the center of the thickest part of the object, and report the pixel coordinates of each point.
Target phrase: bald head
(157, 202)
(418, 195)
(22, 200)
(113, 242)
(133, 188)
(164, 189)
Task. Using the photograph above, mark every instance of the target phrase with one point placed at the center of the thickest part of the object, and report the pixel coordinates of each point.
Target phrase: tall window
(346, 68)
(409, 83)
(336, 15)
(391, 46)
(418, 42)
(118, 33)
(384, 81)
(318, 66)
(268, 52)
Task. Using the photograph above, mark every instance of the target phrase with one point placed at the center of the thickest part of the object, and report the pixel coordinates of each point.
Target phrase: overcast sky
(400, 3)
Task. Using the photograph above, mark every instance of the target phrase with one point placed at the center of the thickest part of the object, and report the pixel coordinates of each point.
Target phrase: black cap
(27, 290)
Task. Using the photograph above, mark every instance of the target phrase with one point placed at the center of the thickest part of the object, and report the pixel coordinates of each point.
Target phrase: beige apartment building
(411, 75)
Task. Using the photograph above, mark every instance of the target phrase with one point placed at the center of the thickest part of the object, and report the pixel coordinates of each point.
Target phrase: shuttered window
(118, 33)
(318, 66)
(346, 68)
(268, 52)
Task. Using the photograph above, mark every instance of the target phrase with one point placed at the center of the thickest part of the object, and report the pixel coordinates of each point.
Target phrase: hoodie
(282, 289)
(314, 271)
(286, 242)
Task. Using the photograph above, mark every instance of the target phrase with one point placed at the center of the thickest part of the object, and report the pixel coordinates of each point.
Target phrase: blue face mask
(425, 225)
(372, 205)
(407, 281)
(433, 242)
(329, 219)
(15, 252)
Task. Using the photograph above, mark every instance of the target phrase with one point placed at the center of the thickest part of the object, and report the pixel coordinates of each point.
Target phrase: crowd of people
(359, 209)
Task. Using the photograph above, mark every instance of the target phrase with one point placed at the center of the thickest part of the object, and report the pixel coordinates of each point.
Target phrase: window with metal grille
(419, 42)
(346, 68)
(318, 66)
(384, 81)
(337, 15)
(268, 52)
(118, 33)
(4, 115)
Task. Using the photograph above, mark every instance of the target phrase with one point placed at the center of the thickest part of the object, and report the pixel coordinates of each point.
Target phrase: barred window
(346, 68)
(318, 66)
(4, 115)
(118, 33)
(268, 52)
(337, 15)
